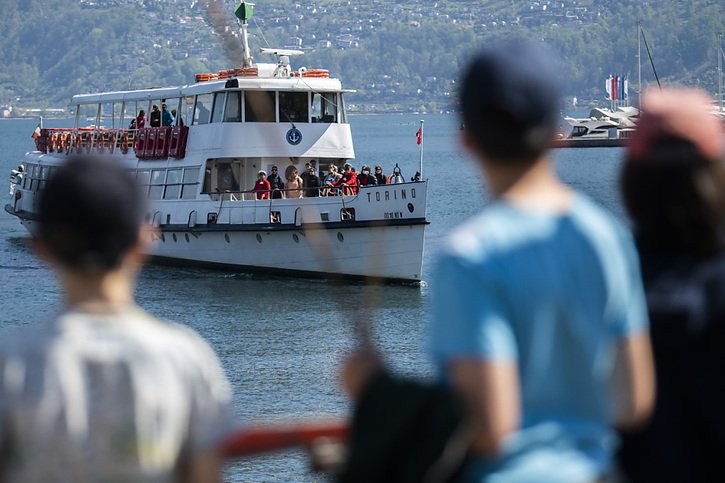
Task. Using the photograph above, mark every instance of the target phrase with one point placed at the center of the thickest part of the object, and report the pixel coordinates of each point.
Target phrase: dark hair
(90, 213)
(675, 198)
(510, 100)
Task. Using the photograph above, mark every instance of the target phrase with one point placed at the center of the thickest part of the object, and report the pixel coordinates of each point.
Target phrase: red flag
(419, 135)
(36, 133)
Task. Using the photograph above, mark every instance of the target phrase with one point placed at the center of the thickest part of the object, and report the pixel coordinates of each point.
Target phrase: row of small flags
(617, 87)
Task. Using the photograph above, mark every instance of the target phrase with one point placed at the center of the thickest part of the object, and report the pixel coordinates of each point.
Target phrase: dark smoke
(223, 22)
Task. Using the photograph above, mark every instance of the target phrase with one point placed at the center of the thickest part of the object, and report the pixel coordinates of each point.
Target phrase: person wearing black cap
(104, 391)
(366, 178)
(276, 183)
(538, 307)
(673, 182)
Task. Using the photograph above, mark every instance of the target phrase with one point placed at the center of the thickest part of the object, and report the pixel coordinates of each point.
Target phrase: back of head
(510, 99)
(90, 214)
(673, 179)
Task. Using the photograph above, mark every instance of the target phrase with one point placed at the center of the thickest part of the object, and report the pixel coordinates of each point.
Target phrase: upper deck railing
(145, 143)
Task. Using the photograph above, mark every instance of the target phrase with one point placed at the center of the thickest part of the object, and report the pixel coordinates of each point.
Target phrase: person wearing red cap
(673, 182)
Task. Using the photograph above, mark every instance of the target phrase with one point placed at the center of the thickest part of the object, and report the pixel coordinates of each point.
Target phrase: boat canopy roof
(249, 83)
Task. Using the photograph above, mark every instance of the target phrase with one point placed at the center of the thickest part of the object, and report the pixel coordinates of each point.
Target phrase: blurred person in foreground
(673, 182)
(104, 391)
(539, 317)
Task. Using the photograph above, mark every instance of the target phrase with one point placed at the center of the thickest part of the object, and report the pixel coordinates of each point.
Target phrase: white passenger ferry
(199, 173)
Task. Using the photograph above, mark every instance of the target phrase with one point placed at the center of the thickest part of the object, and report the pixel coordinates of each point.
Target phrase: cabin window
(342, 110)
(191, 179)
(218, 107)
(43, 177)
(27, 175)
(233, 109)
(157, 184)
(173, 184)
(324, 107)
(202, 109)
(293, 107)
(226, 178)
(259, 106)
(143, 177)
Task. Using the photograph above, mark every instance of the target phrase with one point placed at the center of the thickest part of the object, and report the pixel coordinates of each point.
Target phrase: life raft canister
(305, 72)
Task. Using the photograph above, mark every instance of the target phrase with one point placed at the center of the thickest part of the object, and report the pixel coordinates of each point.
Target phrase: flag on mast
(419, 135)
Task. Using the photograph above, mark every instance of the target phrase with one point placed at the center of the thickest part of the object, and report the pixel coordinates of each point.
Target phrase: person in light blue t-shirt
(539, 318)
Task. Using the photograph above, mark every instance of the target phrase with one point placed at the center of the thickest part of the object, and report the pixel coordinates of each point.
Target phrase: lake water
(281, 339)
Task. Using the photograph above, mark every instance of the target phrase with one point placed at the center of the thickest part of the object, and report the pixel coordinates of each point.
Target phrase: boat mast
(639, 64)
(244, 13)
(719, 70)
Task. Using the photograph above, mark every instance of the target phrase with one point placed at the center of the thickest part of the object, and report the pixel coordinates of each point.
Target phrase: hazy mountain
(401, 54)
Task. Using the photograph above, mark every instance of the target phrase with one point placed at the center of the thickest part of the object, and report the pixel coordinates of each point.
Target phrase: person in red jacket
(348, 180)
(262, 186)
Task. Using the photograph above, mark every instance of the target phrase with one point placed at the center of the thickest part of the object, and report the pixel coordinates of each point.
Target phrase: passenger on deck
(167, 119)
(261, 186)
(276, 184)
(102, 390)
(379, 175)
(311, 182)
(180, 121)
(294, 183)
(139, 122)
(673, 182)
(155, 117)
(313, 163)
(330, 179)
(348, 181)
(397, 176)
(365, 178)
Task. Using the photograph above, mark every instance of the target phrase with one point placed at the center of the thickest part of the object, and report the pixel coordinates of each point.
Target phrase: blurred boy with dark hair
(104, 391)
(538, 312)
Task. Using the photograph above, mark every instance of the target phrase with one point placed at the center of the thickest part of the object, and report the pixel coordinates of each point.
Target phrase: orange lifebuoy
(98, 143)
(52, 143)
(124, 143)
(111, 142)
(61, 142)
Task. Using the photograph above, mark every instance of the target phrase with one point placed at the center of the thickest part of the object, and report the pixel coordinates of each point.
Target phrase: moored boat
(603, 128)
(199, 164)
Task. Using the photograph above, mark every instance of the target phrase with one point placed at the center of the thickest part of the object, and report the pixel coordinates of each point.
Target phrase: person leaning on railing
(261, 186)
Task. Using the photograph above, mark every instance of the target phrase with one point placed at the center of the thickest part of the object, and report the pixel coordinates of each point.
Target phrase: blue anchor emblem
(294, 136)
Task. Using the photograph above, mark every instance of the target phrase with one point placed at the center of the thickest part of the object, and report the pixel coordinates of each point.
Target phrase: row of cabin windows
(35, 176)
(266, 106)
(169, 184)
(158, 184)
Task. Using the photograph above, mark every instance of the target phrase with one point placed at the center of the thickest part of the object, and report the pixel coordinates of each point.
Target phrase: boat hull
(385, 240)
(392, 252)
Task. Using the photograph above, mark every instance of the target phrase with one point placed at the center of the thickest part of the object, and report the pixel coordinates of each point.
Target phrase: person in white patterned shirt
(104, 391)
